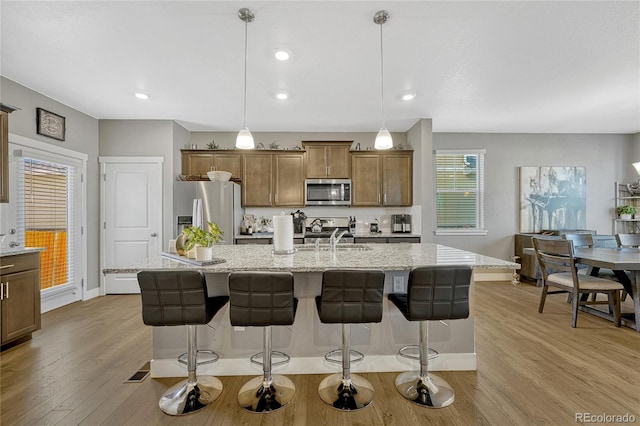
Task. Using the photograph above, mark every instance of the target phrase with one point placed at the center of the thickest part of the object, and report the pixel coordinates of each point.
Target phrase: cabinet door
(339, 166)
(289, 180)
(4, 157)
(365, 169)
(229, 163)
(197, 163)
(257, 177)
(316, 162)
(397, 178)
(21, 304)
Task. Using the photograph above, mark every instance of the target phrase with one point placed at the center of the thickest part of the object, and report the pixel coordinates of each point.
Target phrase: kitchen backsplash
(364, 215)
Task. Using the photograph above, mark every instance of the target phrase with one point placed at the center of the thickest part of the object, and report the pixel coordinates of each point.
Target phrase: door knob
(154, 234)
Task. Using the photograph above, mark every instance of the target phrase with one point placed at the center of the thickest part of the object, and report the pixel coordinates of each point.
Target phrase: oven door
(332, 192)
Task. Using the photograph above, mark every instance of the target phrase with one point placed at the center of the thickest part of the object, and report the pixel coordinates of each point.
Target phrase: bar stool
(349, 297)
(433, 293)
(263, 299)
(172, 298)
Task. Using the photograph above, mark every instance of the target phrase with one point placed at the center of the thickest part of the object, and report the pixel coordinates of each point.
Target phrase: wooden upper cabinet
(228, 163)
(397, 179)
(5, 110)
(382, 178)
(366, 179)
(257, 180)
(199, 162)
(289, 179)
(327, 160)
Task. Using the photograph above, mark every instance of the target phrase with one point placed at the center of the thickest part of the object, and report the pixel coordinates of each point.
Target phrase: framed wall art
(552, 198)
(50, 124)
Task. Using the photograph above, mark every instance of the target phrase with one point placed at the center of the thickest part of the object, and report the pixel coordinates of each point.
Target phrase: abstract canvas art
(552, 197)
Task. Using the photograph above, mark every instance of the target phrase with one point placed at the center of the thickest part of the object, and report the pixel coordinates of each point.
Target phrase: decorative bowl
(219, 176)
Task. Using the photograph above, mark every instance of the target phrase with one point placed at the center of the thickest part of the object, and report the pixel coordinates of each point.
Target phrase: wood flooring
(533, 369)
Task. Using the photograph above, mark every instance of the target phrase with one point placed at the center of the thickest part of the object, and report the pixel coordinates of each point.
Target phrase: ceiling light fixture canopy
(383, 138)
(244, 140)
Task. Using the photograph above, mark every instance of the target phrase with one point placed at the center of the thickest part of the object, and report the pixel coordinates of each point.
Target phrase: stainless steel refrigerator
(200, 202)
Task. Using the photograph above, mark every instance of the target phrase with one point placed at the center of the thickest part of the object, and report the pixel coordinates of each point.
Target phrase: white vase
(204, 253)
(625, 216)
(191, 254)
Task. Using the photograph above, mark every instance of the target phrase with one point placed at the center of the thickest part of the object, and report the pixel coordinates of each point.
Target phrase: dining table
(616, 259)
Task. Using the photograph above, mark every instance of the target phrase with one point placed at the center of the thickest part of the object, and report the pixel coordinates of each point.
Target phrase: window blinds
(459, 190)
(46, 216)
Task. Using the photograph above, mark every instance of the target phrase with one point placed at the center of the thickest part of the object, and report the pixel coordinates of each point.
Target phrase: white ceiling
(502, 66)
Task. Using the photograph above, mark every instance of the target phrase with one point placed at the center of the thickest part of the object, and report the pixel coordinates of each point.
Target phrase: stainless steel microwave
(327, 192)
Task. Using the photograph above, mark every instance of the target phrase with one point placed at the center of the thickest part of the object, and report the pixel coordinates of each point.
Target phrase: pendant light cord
(382, 79)
(244, 122)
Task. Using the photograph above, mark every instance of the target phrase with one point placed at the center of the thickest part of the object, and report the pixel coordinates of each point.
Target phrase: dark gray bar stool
(434, 293)
(263, 299)
(171, 298)
(349, 297)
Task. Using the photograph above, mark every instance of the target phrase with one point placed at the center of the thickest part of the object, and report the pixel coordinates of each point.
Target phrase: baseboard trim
(90, 294)
(315, 365)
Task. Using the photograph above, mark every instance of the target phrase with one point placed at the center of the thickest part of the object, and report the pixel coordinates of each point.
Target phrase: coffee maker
(401, 223)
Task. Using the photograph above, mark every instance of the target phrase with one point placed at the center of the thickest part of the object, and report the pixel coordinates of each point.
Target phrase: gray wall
(606, 158)
(145, 138)
(81, 136)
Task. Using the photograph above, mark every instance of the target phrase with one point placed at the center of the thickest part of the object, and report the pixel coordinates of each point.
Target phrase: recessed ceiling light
(141, 95)
(282, 96)
(282, 55)
(408, 96)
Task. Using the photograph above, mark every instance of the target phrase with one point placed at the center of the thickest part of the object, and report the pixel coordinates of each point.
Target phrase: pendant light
(383, 138)
(244, 140)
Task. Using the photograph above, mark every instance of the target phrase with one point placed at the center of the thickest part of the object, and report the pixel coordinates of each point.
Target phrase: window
(460, 192)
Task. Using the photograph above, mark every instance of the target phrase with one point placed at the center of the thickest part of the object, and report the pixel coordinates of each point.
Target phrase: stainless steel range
(322, 228)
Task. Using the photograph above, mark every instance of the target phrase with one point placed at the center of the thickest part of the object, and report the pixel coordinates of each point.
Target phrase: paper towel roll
(283, 233)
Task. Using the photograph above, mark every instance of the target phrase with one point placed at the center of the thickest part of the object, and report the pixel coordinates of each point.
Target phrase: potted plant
(625, 212)
(202, 240)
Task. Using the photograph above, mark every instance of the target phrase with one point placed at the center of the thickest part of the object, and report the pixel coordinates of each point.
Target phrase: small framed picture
(50, 124)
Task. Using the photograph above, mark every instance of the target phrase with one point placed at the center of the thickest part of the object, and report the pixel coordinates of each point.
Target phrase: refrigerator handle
(197, 212)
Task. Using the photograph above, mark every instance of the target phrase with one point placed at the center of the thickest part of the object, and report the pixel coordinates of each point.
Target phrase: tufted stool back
(259, 299)
(176, 298)
(351, 296)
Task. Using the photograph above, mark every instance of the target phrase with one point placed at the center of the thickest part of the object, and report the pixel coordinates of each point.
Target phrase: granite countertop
(359, 235)
(19, 250)
(391, 257)
(262, 235)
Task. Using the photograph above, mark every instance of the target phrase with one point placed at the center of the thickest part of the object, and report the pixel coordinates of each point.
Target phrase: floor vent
(140, 375)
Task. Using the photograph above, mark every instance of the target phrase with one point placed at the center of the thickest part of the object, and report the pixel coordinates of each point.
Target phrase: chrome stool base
(427, 391)
(355, 356)
(405, 352)
(257, 358)
(187, 397)
(211, 358)
(346, 394)
(259, 395)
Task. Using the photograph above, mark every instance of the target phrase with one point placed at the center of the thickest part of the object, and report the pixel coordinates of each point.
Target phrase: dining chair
(628, 240)
(558, 267)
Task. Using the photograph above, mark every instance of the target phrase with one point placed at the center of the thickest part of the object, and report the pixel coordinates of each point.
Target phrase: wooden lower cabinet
(20, 304)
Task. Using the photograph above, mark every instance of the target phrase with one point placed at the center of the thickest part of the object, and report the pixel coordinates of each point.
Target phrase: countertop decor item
(202, 240)
(219, 176)
(50, 124)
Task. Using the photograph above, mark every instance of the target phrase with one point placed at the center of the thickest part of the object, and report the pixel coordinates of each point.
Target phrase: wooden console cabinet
(20, 297)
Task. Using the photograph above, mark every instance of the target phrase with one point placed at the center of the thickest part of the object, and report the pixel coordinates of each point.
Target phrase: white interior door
(132, 216)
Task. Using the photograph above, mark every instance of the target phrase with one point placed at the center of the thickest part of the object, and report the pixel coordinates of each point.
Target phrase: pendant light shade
(383, 139)
(244, 140)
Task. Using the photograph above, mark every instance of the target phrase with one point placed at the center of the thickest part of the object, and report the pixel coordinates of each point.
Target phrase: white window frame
(479, 229)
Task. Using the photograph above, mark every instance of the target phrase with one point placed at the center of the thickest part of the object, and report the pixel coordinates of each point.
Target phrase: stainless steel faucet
(333, 240)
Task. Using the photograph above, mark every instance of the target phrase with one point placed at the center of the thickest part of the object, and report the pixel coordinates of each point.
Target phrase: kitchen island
(308, 340)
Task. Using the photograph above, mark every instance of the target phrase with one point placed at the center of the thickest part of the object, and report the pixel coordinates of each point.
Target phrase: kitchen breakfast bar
(308, 340)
